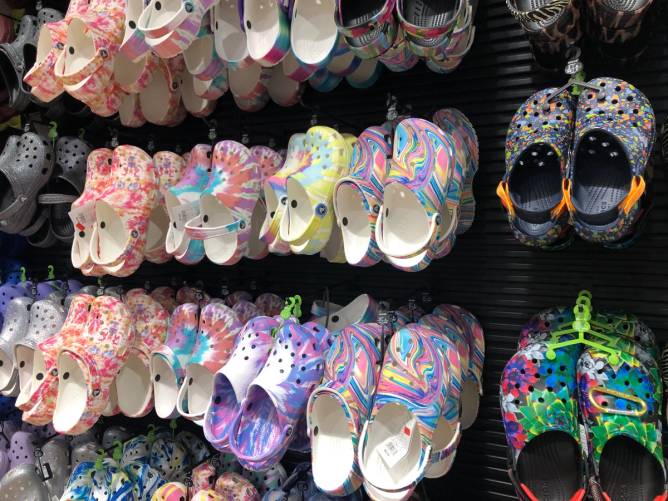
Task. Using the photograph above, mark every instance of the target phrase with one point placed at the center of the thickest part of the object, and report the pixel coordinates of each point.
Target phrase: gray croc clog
(23, 483)
(13, 65)
(66, 185)
(56, 453)
(84, 452)
(26, 164)
(114, 434)
(15, 328)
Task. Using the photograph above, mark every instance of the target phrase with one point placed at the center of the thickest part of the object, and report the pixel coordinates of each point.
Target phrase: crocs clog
(308, 221)
(160, 101)
(540, 415)
(537, 151)
(267, 30)
(166, 297)
(361, 310)
(82, 213)
(201, 59)
(236, 296)
(428, 23)
(344, 61)
(313, 32)
(172, 491)
(341, 404)
(26, 164)
(108, 482)
(133, 383)
(232, 380)
(46, 318)
(23, 482)
(229, 34)
(410, 398)
(276, 399)
(219, 327)
(193, 103)
(14, 329)
(472, 331)
(39, 407)
(234, 487)
(369, 29)
(169, 168)
(359, 194)
(399, 57)
(197, 449)
(248, 85)
(614, 135)
(245, 311)
(88, 366)
(133, 46)
(212, 89)
(227, 203)
(283, 90)
(267, 480)
(56, 453)
(206, 495)
(203, 478)
(169, 361)
(296, 70)
(275, 194)
(182, 202)
(170, 458)
(145, 480)
(324, 81)
(21, 449)
(270, 305)
(621, 408)
(16, 57)
(122, 212)
(366, 74)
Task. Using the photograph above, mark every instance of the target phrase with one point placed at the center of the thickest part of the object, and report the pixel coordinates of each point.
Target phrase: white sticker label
(583, 439)
(395, 448)
(83, 217)
(181, 214)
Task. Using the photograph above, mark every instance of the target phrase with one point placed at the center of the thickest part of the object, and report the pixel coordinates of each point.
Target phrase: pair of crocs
(404, 194)
(579, 164)
(260, 394)
(221, 218)
(198, 343)
(160, 101)
(169, 28)
(308, 221)
(111, 216)
(26, 164)
(617, 445)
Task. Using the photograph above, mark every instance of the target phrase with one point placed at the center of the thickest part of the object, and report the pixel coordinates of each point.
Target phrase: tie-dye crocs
(358, 196)
(182, 201)
(428, 24)
(194, 104)
(88, 366)
(145, 480)
(206, 495)
(166, 297)
(270, 305)
(615, 130)
(14, 328)
(82, 213)
(122, 212)
(537, 151)
(361, 310)
(341, 404)
(410, 398)
(203, 478)
(370, 30)
(245, 311)
(134, 384)
(39, 407)
(136, 450)
(170, 458)
(197, 449)
(235, 487)
(23, 482)
(200, 58)
(454, 122)
(169, 168)
(269, 162)
(232, 380)
(621, 408)
(275, 194)
(133, 46)
(267, 30)
(399, 57)
(172, 491)
(420, 210)
(227, 203)
(219, 328)
(264, 481)
(344, 61)
(248, 86)
(109, 481)
(229, 34)
(276, 398)
(308, 221)
(313, 32)
(540, 414)
(168, 362)
(46, 318)
(283, 90)
(468, 325)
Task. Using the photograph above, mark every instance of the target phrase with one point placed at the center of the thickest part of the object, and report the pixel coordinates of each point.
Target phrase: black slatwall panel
(488, 272)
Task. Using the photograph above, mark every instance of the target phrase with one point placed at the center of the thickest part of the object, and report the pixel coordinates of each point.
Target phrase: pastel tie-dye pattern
(232, 380)
(181, 339)
(399, 57)
(170, 459)
(351, 373)
(172, 491)
(245, 311)
(281, 42)
(269, 304)
(276, 400)
(219, 328)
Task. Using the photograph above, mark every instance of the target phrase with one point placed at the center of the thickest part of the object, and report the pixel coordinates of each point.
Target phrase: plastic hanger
(583, 328)
(575, 69)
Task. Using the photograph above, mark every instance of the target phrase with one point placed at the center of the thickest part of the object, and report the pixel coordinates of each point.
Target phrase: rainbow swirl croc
(358, 196)
(399, 57)
(308, 221)
(371, 34)
(428, 25)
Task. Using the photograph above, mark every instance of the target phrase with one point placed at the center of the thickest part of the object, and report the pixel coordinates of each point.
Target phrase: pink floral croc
(166, 297)
(134, 385)
(129, 112)
(122, 212)
(133, 77)
(88, 366)
(227, 203)
(169, 168)
(160, 101)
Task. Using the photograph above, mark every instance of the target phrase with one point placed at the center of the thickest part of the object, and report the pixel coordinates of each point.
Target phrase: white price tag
(83, 217)
(181, 214)
(395, 448)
